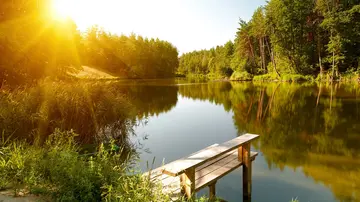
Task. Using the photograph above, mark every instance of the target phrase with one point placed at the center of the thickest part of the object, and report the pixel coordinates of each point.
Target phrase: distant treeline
(215, 61)
(129, 56)
(308, 37)
(34, 45)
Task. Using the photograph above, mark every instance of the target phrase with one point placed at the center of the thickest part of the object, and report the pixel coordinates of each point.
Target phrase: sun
(62, 9)
(112, 15)
(80, 11)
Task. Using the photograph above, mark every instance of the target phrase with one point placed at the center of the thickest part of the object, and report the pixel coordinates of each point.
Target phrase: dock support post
(212, 191)
(187, 182)
(244, 156)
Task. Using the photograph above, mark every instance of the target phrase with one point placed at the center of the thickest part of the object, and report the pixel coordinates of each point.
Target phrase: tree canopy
(34, 45)
(308, 37)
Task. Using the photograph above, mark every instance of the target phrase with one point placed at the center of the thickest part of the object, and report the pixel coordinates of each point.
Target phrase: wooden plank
(207, 170)
(159, 171)
(172, 183)
(214, 173)
(215, 160)
(218, 172)
(204, 171)
(166, 179)
(180, 166)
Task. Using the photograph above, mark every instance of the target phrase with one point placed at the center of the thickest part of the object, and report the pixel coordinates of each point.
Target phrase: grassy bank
(59, 171)
(272, 77)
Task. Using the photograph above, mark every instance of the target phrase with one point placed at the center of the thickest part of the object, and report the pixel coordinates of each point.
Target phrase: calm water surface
(310, 134)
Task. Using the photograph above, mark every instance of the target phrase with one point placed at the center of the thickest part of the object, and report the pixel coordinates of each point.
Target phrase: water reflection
(97, 111)
(312, 127)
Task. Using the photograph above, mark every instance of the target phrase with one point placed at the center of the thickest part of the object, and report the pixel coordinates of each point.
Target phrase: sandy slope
(92, 73)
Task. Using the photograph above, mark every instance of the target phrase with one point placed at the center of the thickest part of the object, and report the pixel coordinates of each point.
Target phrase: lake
(309, 134)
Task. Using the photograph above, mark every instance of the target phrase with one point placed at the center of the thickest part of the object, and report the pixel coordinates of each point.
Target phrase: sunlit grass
(94, 110)
(58, 170)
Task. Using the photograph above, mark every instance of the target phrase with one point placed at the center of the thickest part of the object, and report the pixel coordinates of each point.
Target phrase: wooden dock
(186, 176)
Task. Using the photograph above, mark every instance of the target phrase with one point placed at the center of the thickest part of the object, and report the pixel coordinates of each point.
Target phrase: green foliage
(302, 37)
(215, 62)
(266, 77)
(350, 75)
(284, 77)
(289, 22)
(241, 76)
(197, 77)
(58, 169)
(129, 56)
(90, 109)
(296, 78)
(34, 45)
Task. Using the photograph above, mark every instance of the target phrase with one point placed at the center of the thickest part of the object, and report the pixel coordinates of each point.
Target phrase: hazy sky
(188, 24)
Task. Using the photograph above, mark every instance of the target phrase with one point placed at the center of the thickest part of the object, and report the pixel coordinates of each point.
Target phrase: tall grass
(95, 110)
(59, 171)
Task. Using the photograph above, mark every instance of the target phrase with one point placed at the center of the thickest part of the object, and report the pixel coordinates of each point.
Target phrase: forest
(284, 39)
(34, 45)
(314, 38)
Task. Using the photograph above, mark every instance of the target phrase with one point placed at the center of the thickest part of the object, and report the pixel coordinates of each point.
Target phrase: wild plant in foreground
(58, 170)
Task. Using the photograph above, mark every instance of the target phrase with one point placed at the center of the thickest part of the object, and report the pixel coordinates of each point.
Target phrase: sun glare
(62, 9)
(117, 16)
(80, 11)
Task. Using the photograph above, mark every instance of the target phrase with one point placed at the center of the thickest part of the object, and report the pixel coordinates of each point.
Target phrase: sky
(187, 24)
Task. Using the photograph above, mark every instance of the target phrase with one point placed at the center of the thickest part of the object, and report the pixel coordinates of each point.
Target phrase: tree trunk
(263, 52)
(271, 53)
(261, 55)
(251, 49)
(319, 54)
(333, 66)
(252, 53)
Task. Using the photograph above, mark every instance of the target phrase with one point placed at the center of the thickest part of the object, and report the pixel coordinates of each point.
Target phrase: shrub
(296, 78)
(241, 76)
(350, 75)
(266, 77)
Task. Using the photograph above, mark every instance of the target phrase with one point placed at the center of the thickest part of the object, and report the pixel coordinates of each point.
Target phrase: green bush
(296, 78)
(266, 77)
(197, 77)
(284, 77)
(350, 75)
(241, 76)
